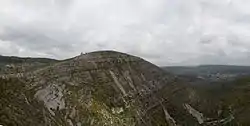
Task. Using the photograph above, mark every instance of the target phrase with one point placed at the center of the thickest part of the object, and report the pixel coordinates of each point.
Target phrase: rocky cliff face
(100, 89)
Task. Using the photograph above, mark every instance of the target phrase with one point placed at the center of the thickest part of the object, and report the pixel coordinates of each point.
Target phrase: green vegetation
(115, 89)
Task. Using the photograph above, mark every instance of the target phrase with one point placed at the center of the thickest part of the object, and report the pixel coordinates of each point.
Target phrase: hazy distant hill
(211, 72)
(4, 60)
(12, 64)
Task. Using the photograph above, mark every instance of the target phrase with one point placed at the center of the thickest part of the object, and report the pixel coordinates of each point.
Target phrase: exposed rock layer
(100, 89)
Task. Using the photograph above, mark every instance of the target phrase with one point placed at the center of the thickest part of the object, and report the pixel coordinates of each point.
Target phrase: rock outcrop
(98, 89)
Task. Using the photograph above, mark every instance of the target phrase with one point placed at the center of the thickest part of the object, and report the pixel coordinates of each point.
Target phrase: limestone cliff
(97, 89)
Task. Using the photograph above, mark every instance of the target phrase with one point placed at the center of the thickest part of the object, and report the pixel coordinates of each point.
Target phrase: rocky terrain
(107, 88)
(223, 90)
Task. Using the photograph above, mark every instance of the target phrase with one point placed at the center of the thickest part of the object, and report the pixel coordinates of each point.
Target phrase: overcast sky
(165, 32)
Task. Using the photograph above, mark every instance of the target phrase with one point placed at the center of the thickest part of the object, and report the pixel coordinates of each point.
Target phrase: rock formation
(95, 89)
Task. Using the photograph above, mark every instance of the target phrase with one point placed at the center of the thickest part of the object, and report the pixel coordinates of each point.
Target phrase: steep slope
(101, 89)
(228, 99)
(223, 102)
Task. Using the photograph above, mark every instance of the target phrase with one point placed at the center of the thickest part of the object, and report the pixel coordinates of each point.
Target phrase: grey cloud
(34, 40)
(161, 31)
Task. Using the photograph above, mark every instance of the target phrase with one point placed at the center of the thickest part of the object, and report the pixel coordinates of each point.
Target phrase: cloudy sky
(165, 32)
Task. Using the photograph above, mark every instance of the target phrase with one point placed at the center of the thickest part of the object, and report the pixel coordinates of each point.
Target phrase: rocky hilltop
(103, 88)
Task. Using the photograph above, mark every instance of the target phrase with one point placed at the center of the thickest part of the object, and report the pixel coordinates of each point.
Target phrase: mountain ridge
(102, 88)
